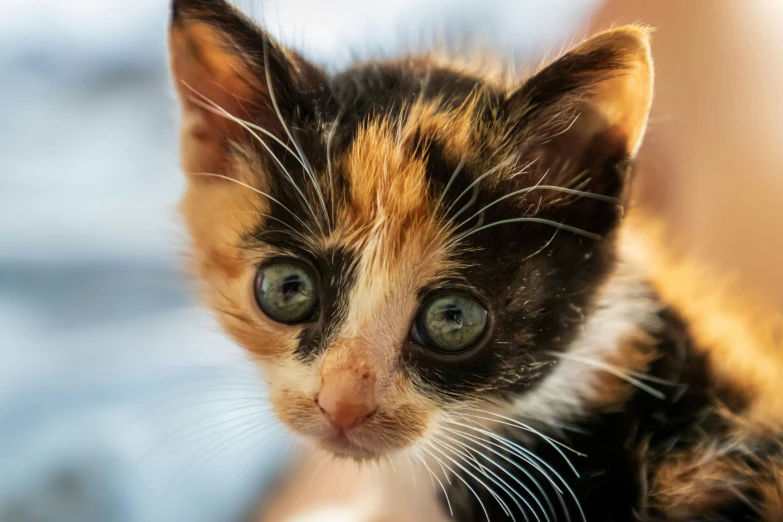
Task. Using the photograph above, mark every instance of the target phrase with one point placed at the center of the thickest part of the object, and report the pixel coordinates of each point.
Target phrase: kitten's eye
(286, 292)
(450, 323)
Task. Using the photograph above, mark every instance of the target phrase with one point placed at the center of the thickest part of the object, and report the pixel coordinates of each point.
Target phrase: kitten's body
(395, 182)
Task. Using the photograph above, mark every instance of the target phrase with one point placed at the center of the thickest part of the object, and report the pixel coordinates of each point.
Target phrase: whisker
(437, 459)
(529, 475)
(413, 472)
(293, 231)
(214, 108)
(469, 204)
(526, 190)
(201, 403)
(227, 178)
(473, 184)
(617, 371)
(530, 429)
(517, 424)
(329, 138)
(253, 421)
(525, 453)
(241, 455)
(179, 436)
(473, 462)
(433, 475)
(475, 440)
(302, 155)
(451, 180)
(534, 254)
(391, 463)
(266, 147)
(555, 224)
(176, 434)
(192, 463)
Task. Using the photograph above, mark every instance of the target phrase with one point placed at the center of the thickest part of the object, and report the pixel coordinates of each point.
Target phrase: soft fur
(395, 179)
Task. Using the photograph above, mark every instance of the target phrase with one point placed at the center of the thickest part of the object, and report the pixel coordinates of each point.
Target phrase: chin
(358, 447)
(348, 446)
(349, 451)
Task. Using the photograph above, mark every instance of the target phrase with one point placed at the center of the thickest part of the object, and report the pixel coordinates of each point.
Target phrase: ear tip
(180, 9)
(183, 8)
(632, 38)
(631, 43)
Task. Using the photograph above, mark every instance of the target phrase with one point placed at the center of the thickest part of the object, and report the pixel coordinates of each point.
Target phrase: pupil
(454, 314)
(291, 285)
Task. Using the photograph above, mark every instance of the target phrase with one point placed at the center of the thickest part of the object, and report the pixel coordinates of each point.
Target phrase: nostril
(345, 415)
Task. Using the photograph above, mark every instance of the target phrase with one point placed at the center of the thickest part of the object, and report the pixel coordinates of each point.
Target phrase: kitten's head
(404, 239)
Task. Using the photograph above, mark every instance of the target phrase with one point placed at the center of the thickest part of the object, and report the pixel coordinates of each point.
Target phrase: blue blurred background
(120, 401)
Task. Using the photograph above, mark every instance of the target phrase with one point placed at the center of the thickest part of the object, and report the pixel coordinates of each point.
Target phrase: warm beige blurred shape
(341, 491)
(712, 163)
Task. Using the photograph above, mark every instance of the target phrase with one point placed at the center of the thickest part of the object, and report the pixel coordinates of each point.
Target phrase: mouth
(344, 445)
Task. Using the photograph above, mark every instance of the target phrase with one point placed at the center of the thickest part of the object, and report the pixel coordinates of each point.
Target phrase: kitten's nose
(344, 415)
(345, 405)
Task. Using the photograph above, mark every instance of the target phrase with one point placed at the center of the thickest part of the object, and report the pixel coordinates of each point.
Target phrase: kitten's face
(393, 244)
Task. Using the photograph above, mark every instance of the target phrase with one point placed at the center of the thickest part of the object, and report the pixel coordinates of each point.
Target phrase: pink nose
(344, 413)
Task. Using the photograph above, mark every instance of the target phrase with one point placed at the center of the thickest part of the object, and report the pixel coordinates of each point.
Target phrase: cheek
(293, 387)
(297, 410)
(403, 414)
(233, 300)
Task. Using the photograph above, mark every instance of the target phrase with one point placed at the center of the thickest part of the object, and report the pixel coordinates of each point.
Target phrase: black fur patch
(622, 449)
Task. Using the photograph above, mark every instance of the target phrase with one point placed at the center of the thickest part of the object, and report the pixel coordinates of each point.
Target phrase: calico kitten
(427, 262)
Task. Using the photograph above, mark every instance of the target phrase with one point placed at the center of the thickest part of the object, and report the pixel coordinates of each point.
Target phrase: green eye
(286, 292)
(450, 323)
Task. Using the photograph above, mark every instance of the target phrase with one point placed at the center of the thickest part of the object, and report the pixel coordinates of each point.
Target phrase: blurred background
(120, 401)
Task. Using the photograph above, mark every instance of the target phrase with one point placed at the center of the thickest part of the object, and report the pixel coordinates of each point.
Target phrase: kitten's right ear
(579, 122)
(225, 66)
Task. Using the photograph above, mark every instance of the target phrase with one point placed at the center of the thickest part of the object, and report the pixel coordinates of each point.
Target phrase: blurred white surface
(97, 323)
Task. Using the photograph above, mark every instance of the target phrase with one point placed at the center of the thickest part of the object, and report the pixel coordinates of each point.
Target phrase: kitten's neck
(615, 344)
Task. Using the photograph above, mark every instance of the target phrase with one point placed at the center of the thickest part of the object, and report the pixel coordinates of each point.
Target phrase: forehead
(395, 172)
(392, 161)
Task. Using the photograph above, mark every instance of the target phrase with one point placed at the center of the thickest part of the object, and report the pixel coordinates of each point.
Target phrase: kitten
(429, 263)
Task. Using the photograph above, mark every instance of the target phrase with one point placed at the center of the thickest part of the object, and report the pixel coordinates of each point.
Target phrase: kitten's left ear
(580, 120)
(222, 61)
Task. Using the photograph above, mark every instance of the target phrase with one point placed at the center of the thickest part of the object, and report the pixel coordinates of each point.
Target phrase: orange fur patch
(741, 335)
(697, 482)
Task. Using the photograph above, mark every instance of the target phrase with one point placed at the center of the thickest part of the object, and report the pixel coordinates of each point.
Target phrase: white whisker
(433, 475)
(471, 460)
(530, 429)
(263, 144)
(329, 139)
(475, 440)
(525, 453)
(473, 184)
(522, 452)
(549, 222)
(473, 463)
(529, 475)
(214, 108)
(617, 371)
(302, 155)
(209, 174)
(534, 254)
(451, 180)
(526, 190)
(437, 459)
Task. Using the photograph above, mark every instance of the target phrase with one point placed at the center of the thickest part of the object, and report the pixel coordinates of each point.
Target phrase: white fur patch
(624, 305)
